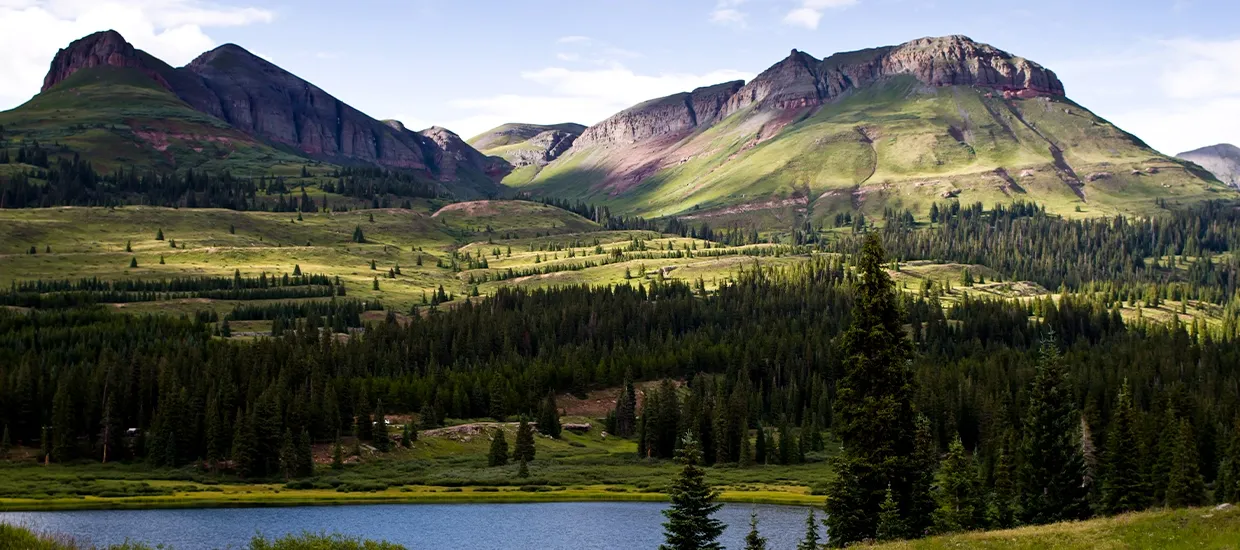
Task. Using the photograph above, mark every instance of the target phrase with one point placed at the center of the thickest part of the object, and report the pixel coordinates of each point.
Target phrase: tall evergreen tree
(760, 451)
(1228, 483)
(874, 417)
(288, 456)
(754, 540)
(523, 449)
(337, 454)
(305, 455)
(64, 437)
(1185, 486)
(690, 523)
(626, 410)
(1123, 484)
(549, 418)
(958, 503)
(381, 440)
(811, 539)
(1001, 502)
(1052, 472)
(245, 447)
(498, 455)
(890, 523)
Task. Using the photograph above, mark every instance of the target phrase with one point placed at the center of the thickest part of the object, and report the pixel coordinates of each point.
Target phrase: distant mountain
(1222, 160)
(528, 147)
(241, 93)
(892, 127)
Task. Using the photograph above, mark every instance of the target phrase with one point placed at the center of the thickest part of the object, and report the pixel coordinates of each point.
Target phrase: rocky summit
(1222, 160)
(907, 125)
(264, 101)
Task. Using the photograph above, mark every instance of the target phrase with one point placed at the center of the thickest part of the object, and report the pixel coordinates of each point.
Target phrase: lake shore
(249, 496)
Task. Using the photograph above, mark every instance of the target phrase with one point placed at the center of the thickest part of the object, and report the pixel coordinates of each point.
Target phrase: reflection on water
(544, 526)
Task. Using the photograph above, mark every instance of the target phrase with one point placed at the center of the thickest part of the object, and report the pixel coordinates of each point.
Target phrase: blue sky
(1166, 70)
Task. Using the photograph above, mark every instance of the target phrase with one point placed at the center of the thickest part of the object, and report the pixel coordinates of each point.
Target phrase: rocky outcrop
(1222, 160)
(528, 144)
(451, 157)
(674, 114)
(107, 48)
(276, 106)
(800, 80)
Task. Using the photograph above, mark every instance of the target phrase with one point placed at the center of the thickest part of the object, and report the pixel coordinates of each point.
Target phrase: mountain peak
(100, 49)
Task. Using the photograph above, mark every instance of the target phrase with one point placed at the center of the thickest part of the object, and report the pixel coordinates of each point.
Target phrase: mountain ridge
(1222, 160)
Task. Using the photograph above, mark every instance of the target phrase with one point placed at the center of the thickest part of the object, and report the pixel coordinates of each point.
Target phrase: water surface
(543, 526)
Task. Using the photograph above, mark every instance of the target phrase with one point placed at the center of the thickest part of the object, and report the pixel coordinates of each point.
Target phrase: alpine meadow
(905, 296)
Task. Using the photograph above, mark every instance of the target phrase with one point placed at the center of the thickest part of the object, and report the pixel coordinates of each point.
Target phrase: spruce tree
(406, 437)
(288, 456)
(523, 449)
(890, 524)
(1185, 486)
(159, 234)
(381, 440)
(753, 540)
(760, 450)
(1001, 505)
(64, 439)
(957, 494)
(523, 471)
(746, 458)
(626, 409)
(1228, 484)
(1123, 484)
(337, 453)
(811, 539)
(6, 444)
(499, 449)
(690, 525)
(133, 262)
(305, 455)
(549, 418)
(245, 447)
(875, 418)
(1052, 473)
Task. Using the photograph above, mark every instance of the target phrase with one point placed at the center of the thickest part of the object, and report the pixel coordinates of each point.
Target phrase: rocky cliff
(801, 80)
(1222, 160)
(527, 144)
(276, 106)
(674, 114)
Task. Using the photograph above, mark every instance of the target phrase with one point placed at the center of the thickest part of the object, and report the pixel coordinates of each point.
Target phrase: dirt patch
(600, 402)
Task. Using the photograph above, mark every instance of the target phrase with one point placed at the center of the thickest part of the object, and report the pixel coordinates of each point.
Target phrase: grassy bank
(1164, 529)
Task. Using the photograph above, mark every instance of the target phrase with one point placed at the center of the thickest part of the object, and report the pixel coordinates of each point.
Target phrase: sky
(1165, 70)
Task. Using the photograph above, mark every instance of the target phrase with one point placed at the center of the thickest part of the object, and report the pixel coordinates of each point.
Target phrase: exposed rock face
(667, 115)
(528, 144)
(107, 48)
(802, 81)
(269, 103)
(264, 100)
(1222, 160)
(451, 156)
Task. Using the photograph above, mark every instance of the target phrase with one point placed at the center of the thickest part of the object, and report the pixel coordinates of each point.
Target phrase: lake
(545, 526)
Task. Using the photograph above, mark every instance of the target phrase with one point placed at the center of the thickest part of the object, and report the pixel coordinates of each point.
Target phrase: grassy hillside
(120, 117)
(514, 133)
(896, 144)
(1164, 529)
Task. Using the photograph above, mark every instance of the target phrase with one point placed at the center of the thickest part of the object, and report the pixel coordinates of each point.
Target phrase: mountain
(892, 127)
(528, 147)
(1222, 160)
(240, 94)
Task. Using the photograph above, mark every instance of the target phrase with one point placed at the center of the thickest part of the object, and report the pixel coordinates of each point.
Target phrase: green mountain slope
(527, 147)
(786, 148)
(121, 117)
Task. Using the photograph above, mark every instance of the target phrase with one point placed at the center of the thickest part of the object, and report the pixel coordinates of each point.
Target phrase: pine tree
(305, 455)
(1228, 484)
(161, 259)
(875, 418)
(811, 539)
(128, 246)
(64, 440)
(1123, 485)
(6, 445)
(337, 453)
(245, 447)
(753, 540)
(406, 439)
(760, 450)
(746, 458)
(690, 525)
(499, 449)
(133, 262)
(381, 440)
(957, 493)
(524, 470)
(159, 235)
(549, 418)
(375, 285)
(626, 409)
(1052, 473)
(428, 418)
(524, 449)
(890, 525)
(1001, 505)
(288, 456)
(1185, 486)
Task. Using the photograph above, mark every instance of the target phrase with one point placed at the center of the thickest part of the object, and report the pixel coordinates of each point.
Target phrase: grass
(17, 537)
(1185, 529)
(579, 467)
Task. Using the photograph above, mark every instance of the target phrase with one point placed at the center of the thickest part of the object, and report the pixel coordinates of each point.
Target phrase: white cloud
(584, 96)
(727, 14)
(567, 56)
(1176, 95)
(574, 39)
(809, 13)
(31, 31)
